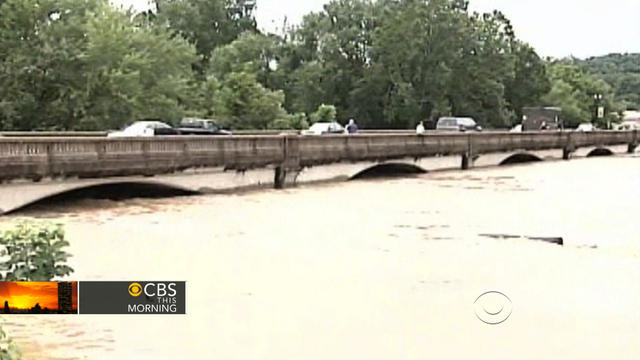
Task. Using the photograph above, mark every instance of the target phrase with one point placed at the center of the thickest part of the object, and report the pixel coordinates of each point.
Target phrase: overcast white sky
(555, 28)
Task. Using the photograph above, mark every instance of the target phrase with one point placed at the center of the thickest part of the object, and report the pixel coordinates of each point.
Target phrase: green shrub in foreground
(8, 349)
(32, 251)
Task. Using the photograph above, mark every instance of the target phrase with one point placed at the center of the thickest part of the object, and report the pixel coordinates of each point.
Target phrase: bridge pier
(467, 161)
(569, 146)
(285, 177)
(287, 172)
(566, 153)
(279, 178)
(634, 143)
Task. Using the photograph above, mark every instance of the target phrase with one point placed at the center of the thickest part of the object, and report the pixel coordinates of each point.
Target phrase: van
(457, 124)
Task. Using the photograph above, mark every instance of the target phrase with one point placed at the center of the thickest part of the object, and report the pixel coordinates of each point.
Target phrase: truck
(541, 118)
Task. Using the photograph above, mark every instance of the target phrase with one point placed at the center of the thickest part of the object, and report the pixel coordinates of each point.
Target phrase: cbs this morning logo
(156, 298)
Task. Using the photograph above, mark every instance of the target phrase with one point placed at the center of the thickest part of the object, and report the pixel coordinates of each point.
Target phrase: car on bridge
(143, 129)
(321, 128)
(628, 125)
(586, 127)
(196, 126)
(457, 124)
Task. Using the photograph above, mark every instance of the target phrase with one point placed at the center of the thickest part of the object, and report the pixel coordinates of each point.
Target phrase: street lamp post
(599, 110)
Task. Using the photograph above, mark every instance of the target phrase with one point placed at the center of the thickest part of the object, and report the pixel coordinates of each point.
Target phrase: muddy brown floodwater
(384, 269)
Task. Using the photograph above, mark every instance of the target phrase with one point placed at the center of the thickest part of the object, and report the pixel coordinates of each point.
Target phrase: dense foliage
(74, 65)
(573, 88)
(33, 252)
(622, 72)
(8, 349)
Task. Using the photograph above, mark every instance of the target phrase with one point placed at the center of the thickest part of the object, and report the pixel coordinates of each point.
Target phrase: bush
(8, 349)
(299, 121)
(296, 121)
(325, 113)
(33, 252)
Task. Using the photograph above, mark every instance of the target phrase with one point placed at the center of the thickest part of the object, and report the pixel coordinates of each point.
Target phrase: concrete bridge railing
(96, 157)
(235, 132)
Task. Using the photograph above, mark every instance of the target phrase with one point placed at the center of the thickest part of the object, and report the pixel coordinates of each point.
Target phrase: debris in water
(501, 236)
(552, 240)
(588, 246)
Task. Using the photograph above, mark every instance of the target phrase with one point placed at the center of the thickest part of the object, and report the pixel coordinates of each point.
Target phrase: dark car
(194, 126)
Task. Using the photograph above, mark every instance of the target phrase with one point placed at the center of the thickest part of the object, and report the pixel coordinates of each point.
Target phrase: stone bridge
(33, 168)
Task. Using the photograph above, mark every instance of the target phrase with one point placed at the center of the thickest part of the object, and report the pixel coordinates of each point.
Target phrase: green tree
(207, 24)
(40, 69)
(67, 65)
(573, 89)
(206, 101)
(530, 82)
(304, 87)
(570, 100)
(247, 104)
(417, 48)
(134, 72)
(483, 71)
(291, 122)
(327, 57)
(250, 52)
(622, 72)
(325, 113)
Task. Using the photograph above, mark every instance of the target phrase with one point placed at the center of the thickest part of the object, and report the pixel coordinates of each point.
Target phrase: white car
(628, 125)
(144, 128)
(324, 128)
(457, 124)
(586, 127)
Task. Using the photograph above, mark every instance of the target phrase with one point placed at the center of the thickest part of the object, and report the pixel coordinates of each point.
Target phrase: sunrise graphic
(18, 297)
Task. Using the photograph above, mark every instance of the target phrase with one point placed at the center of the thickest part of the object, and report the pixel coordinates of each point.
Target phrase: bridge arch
(520, 158)
(390, 169)
(113, 190)
(600, 152)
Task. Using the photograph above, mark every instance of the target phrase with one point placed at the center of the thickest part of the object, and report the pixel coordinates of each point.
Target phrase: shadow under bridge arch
(115, 191)
(520, 158)
(391, 169)
(600, 152)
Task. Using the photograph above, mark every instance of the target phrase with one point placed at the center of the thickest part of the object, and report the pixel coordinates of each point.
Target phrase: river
(370, 269)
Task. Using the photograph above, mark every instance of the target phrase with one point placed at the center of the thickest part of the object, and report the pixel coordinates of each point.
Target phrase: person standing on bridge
(352, 128)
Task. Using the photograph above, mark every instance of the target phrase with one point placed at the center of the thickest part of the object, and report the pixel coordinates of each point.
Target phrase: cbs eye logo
(493, 307)
(135, 289)
(153, 289)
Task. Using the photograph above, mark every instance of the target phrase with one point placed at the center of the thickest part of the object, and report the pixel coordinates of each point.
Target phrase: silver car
(457, 124)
